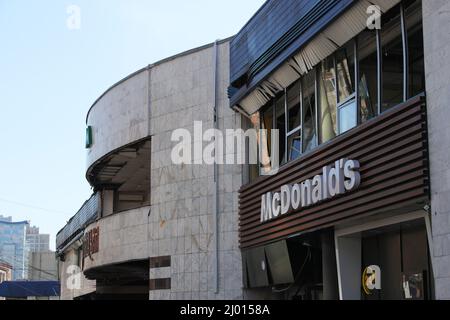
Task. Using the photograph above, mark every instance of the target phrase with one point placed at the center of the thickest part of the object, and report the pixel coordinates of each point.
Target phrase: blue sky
(50, 76)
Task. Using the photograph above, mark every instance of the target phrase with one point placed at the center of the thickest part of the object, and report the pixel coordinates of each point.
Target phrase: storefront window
(309, 111)
(392, 57)
(367, 53)
(416, 72)
(327, 100)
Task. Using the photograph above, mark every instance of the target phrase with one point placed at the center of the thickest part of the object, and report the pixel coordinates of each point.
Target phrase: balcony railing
(84, 216)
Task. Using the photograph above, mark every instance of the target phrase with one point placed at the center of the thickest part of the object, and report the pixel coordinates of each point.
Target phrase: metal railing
(86, 214)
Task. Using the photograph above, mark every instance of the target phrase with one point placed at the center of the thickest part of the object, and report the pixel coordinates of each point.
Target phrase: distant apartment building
(42, 266)
(36, 241)
(13, 246)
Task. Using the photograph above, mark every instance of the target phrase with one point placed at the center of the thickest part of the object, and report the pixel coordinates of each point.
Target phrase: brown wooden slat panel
(328, 221)
(398, 140)
(372, 185)
(392, 151)
(343, 202)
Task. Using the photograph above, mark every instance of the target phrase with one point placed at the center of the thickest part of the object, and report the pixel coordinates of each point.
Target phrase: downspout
(216, 174)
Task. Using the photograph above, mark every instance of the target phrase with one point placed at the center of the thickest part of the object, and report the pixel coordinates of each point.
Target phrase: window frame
(289, 134)
(354, 96)
(340, 105)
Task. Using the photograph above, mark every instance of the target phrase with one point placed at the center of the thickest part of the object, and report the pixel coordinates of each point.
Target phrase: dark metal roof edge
(251, 19)
(247, 88)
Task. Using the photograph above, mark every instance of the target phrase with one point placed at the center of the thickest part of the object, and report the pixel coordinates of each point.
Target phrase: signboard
(341, 177)
(91, 242)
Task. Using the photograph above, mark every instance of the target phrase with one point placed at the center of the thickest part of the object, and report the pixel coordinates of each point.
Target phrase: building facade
(155, 229)
(37, 242)
(350, 199)
(13, 246)
(43, 266)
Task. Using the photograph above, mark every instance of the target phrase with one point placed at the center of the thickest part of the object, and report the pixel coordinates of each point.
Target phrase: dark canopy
(23, 289)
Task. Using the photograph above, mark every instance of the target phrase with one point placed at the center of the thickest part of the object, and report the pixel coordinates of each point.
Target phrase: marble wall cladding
(181, 222)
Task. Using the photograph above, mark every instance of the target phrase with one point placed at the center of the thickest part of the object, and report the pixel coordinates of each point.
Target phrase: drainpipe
(216, 175)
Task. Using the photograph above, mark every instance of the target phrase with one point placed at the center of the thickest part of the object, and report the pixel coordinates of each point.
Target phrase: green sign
(88, 137)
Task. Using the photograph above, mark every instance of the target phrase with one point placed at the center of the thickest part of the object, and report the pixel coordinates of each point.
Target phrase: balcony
(75, 227)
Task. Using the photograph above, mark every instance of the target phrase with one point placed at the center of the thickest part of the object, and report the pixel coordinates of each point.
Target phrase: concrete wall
(119, 117)
(436, 21)
(73, 282)
(123, 237)
(43, 266)
(181, 220)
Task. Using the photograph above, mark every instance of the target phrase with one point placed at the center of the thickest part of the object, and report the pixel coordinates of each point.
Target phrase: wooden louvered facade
(392, 151)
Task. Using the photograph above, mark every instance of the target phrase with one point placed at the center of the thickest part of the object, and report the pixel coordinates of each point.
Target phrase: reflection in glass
(280, 112)
(295, 145)
(367, 52)
(309, 111)
(345, 65)
(392, 55)
(416, 76)
(347, 116)
(293, 103)
(327, 100)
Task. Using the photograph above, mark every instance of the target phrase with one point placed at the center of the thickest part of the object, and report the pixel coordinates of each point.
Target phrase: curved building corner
(154, 229)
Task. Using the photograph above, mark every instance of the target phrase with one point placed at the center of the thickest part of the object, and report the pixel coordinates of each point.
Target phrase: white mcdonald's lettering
(343, 176)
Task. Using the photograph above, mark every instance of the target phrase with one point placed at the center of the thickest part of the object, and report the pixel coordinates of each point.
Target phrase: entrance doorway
(385, 260)
(401, 253)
